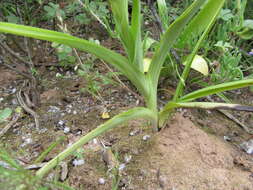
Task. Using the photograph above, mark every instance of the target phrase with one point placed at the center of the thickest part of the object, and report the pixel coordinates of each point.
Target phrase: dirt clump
(185, 157)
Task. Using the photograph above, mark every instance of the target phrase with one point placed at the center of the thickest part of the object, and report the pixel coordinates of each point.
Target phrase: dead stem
(9, 125)
(25, 107)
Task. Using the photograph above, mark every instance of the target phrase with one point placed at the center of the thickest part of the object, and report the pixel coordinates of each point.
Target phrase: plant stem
(131, 114)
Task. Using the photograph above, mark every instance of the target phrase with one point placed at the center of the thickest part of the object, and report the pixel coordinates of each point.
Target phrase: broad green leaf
(247, 30)
(138, 112)
(216, 89)
(212, 18)
(136, 33)
(169, 38)
(226, 14)
(199, 64)
(199, 23)
(248, 23)
(4, 114)
(120, 15)
(113, 58)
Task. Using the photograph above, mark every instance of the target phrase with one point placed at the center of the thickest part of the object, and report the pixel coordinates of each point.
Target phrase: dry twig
(9, 125)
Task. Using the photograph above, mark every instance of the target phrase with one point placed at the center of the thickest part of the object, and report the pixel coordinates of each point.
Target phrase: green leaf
(226, 14)
(216, 89)
(138, 112)
(248, 23)
(120, 15)
(163, 13)
(169, 38)
(247, 31)
(213, 105)
(202, 105)
(200, 22)
(213, 13)
(113, 58)
(13, 19)
(136, 33)
(4, 114)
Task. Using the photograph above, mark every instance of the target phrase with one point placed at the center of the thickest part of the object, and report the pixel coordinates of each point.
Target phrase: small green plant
(4, 114)
(193, 24)
(15, 177)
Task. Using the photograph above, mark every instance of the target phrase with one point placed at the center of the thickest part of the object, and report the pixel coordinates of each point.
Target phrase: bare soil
(189, 153)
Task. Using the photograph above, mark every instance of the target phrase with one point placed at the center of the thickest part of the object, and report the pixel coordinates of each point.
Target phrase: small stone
(66, 130)
(74, 112)
(28, 140)
(227, 138)
(101, 181)
(146, 137)
(1, 99)
(122, 167)
(14, 101)
(13, 91)
(53, 109)
(61, 122)
(247, 146)
(127, 158)
(78, 162)
(134, 132)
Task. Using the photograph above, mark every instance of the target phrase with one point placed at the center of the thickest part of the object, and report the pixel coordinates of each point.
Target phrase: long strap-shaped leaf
(208, 105)
(169, 38)
(200, 22)
(216, 7)
(216, 89)
(120, 15)
(136, 33)
(131, 114)
(117, 60)
(163, 115)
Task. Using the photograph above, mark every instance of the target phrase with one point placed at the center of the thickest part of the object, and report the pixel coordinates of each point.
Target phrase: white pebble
(78, 162)
(61, 122)
(127, 158)
(101, 181)
(66, 129)
(146, 137)
(122, 167)
(247, 146)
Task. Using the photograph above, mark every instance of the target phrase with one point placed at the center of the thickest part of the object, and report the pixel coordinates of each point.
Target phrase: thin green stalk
(49, 149)
(134, 113)
(180, 86)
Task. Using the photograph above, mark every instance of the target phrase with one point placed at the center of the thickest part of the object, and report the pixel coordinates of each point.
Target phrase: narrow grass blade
(131, 114)
(216, 89)
(49, 149)
(169, 38)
